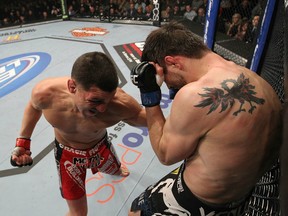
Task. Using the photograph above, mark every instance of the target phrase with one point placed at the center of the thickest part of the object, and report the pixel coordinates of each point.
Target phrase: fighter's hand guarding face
(145, 77)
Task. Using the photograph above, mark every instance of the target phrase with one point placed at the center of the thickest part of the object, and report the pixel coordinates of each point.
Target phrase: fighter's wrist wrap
(150, 99)
(23, 142)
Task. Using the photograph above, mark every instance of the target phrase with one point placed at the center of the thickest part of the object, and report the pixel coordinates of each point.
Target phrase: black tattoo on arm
(241, 91)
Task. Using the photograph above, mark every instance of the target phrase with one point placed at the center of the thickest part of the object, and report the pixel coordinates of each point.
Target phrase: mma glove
(22, 147)
(144, 76)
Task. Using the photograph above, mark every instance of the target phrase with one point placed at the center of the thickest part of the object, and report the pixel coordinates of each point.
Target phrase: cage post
(65, 15)
(264, 30)
(210, 24)
(157, 13)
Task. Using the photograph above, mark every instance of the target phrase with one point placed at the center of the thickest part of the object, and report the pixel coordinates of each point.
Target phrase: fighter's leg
(159, 198)
(123, 171)
(110, 163)
(137, 213)
(78, 207)
(72, 181)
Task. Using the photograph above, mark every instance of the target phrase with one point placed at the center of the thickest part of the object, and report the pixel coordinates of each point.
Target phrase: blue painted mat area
(32, 53)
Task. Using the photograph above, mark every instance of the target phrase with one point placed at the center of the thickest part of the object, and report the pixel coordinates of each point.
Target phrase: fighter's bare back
(217, 164)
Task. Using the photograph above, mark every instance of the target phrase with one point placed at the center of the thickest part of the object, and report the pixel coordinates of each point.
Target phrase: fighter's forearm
(30, 118)
(155, 122)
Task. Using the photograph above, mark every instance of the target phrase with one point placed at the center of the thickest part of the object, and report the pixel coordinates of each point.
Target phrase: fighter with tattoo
(224, 125)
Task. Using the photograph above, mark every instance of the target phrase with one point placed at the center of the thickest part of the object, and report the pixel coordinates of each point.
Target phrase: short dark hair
(172, 39)
(95, 69)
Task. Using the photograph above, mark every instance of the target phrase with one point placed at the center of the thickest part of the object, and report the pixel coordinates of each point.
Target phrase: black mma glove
(144, 76)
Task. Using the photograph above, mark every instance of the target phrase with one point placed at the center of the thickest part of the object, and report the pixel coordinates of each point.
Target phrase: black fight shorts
(171, 196)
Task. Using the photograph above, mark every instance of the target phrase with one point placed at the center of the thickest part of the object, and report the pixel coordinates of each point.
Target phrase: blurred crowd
(237, 18)
(15, 12)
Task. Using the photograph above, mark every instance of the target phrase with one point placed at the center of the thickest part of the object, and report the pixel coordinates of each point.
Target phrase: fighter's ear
(71, 84)
(169, 60)
(172, 61)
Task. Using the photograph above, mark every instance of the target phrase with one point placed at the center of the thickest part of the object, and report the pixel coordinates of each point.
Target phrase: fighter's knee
(134, 213)
(78, 207)
(77, 213)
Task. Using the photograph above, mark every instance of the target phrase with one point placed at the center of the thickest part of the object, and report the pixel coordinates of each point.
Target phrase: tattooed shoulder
(231, 90)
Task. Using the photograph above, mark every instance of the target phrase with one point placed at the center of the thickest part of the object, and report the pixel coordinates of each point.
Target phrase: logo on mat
(88, 32)
(12, 38)
(130, 53)
(15, 71)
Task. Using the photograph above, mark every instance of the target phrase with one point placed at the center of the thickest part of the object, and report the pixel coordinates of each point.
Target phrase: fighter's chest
(75, 123)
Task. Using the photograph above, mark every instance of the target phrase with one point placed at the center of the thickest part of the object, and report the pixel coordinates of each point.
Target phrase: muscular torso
(233, 151)
(70, 126)
(74, 130)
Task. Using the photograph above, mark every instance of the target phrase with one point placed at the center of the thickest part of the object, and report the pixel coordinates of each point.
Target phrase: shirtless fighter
(224, 124)
(80, 108)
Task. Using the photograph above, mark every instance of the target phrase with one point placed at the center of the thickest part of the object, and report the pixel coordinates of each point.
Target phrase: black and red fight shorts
(72, 165)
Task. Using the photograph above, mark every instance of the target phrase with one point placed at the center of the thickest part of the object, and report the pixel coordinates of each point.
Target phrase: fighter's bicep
(184, 127)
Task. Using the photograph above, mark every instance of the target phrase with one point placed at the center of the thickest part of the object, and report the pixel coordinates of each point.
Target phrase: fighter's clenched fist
(21, 154)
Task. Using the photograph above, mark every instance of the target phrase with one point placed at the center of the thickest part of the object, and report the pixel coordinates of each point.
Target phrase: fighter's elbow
(165, 160)
(166, 163)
